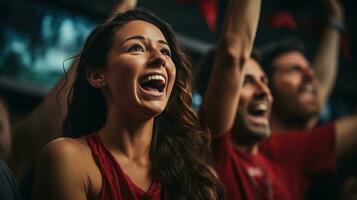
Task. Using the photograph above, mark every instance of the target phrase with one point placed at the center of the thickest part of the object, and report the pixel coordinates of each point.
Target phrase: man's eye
(166, 52)
(247, 81)
(136, 47)
(295, 69)
(265, 80)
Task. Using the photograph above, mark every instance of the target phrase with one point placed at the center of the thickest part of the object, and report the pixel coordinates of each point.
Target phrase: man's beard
(292, 110)
(249, 133)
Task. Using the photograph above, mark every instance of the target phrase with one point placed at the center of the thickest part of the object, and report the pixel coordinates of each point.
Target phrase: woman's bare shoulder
(66, 153)
(66, 148)
(63, 166)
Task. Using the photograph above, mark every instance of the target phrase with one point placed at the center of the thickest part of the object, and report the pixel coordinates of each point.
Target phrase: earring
(102, 83)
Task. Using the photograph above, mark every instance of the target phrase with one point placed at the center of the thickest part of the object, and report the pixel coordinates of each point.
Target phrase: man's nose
(309, 74)
(261, 90)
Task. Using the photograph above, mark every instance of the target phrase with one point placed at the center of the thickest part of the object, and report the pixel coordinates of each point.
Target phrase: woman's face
(139, 71)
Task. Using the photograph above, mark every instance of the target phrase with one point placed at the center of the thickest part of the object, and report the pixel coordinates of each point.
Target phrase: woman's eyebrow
(136, 37)
(139, 37)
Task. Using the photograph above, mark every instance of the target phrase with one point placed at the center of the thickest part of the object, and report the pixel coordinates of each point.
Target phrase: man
(298, 96)
(238, 117)
(300, 89)
(279, 168)
(8, 186)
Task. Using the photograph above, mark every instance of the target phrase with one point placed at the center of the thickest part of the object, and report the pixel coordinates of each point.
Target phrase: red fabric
(208, 10)
(345, 45)
(282, 169)
(116, 184)
(282, 19)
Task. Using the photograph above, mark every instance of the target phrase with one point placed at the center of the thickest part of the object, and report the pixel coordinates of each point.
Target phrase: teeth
(261, 107)
(308, 88)
(154, 77)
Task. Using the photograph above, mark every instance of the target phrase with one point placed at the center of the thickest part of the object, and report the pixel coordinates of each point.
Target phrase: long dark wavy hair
(180, 147)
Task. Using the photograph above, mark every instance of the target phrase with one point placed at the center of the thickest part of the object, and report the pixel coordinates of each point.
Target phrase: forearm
(326, 58)
(234, 48)
(326, 61)
(239, 29)
(124, 5)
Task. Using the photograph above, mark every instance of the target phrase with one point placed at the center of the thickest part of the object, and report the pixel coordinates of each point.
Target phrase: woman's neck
(126, 137)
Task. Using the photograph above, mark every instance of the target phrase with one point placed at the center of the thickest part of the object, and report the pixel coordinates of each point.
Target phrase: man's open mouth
(258, 113)
(258, 110)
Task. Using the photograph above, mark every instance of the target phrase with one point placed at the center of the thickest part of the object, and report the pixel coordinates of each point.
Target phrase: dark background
(195, 36)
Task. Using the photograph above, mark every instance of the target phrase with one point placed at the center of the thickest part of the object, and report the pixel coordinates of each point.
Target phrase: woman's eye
(136, 47)
(166, 52)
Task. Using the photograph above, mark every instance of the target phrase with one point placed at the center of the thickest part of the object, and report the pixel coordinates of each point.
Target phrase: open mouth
(308, 88)
(153, 82)
(308, 93)
(258, 110)
(259, 113)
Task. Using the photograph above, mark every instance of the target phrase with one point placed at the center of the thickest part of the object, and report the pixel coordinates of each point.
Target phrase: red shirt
(282, 168)
(116, 184)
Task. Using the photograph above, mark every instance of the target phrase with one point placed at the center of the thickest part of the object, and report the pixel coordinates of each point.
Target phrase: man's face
(294, 87)
(255, 102)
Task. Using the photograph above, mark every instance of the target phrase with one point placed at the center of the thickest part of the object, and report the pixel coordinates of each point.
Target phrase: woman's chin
(153, 109)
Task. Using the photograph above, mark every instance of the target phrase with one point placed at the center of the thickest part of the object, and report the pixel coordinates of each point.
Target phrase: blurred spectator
(283, 166)
(44, 123)
(8, 186)
(300, 88)
(5, 134)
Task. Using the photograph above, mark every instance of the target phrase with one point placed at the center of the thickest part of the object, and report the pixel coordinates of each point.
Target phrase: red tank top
(116, 185)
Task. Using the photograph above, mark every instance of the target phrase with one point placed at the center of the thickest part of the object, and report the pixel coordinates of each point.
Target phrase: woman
(132, 133)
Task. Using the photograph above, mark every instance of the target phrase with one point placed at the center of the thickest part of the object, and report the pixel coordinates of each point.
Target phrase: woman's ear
(96, 77)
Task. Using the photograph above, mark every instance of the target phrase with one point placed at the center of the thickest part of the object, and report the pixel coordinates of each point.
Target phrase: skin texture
(133, 66)
(5, 133)
(301, 111)
(249, 129)
(295, 89)
(234, 48)
(301, 89)
(124, 5)
(66, 165)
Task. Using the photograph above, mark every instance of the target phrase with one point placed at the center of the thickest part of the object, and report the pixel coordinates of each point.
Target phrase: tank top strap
(116, 185)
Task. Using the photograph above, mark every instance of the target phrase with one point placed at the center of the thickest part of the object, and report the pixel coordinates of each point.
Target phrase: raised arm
(124, 5)
(326, 59)
(234, 48)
